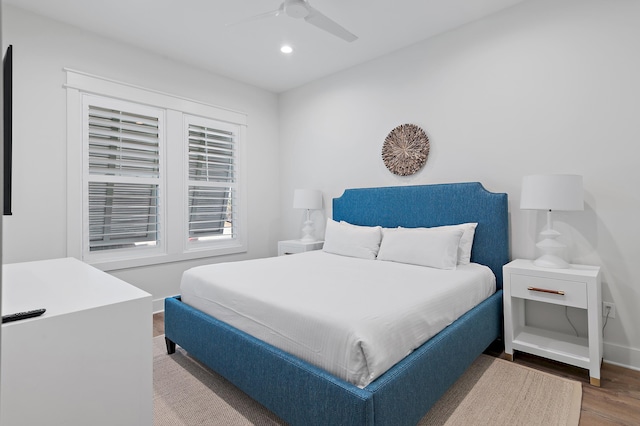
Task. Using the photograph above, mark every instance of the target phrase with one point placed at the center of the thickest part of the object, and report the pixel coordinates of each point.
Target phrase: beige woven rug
(492, 392)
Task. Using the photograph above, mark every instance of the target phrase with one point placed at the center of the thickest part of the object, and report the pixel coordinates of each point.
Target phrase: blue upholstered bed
(302, 394)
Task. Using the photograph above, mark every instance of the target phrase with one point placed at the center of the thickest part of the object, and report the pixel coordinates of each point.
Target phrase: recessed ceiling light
(286, 49)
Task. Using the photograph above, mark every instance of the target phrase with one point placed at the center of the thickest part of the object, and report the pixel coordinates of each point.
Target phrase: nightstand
(577, 286)
(297, 246)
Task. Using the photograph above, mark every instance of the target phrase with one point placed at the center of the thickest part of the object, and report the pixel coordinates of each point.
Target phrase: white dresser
(87, 360)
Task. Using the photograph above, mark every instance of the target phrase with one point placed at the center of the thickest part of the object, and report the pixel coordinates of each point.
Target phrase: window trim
(176, 247)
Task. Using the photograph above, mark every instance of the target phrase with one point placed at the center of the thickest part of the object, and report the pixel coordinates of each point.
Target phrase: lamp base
(307, 232)
(550, 249)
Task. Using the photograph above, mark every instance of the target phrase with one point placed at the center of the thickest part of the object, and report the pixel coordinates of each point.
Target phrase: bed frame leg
(171, 346)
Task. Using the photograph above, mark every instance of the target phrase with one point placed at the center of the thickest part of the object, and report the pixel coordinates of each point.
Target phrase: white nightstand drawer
(298, 246)
(549, 290)
(291, 249)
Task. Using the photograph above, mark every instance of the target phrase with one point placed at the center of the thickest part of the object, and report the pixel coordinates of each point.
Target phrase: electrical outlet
(612, 309)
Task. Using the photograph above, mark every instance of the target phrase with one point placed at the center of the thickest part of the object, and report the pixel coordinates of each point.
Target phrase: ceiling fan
(302, 9)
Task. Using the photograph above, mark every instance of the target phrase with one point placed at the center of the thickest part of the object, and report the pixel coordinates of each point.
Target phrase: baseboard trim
(158, 305)
(622, 356)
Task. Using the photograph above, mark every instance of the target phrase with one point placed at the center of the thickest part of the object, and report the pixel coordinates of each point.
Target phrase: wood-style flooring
(616, 402)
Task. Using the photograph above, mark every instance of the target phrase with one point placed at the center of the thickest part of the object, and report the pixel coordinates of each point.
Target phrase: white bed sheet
(353, 317)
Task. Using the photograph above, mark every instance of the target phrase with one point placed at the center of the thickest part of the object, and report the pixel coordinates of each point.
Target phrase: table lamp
(308, 199)
(551, 192)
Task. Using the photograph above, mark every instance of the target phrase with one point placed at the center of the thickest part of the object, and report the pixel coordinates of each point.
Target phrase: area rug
(492, 392)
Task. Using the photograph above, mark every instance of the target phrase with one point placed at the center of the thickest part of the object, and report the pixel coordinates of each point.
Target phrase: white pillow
(437, 248)
(352, 240)
(466, 242)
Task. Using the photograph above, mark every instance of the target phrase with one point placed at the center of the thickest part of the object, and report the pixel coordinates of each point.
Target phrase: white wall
(42, 48)
(547, 86)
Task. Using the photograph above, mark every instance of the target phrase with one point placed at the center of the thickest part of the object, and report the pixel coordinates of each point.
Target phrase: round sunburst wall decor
(405, 150)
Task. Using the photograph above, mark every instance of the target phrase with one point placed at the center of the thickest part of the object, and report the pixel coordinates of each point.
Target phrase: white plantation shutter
(124, 170)
(122, 215)
(212, 167)
(123, 143)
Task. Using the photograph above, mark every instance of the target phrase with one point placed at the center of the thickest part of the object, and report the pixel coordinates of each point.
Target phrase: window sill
(156, 259)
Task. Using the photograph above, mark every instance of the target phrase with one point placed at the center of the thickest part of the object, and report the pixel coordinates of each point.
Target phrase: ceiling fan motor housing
(296, 8)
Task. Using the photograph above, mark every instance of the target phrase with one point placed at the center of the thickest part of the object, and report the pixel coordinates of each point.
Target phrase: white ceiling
(196, 31)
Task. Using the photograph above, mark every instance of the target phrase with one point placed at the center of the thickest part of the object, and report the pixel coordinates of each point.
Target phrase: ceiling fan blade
(323, 22)
(270, 14)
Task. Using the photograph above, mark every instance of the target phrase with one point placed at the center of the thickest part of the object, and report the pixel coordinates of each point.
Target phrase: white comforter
(354, 318)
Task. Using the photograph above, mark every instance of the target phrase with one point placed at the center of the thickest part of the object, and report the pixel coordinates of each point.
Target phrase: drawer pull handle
(544, 290)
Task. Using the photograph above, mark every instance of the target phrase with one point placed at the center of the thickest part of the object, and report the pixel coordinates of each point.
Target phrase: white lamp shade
(310, 199)
(552, 192)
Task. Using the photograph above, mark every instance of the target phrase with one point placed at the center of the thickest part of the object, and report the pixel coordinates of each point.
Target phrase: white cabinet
(297, 246)
(579, 287)
(87, 360)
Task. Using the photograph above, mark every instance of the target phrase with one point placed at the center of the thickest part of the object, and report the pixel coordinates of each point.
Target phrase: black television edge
(7, 64)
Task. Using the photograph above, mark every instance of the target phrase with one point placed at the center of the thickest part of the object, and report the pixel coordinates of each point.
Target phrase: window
(123, 152)
(211, 180)
(152, 177)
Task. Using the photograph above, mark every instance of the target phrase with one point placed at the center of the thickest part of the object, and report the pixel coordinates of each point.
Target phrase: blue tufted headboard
(435, 205)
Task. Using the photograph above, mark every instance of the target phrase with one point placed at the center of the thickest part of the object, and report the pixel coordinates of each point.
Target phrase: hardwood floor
(158, 324)
(616, 402)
